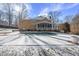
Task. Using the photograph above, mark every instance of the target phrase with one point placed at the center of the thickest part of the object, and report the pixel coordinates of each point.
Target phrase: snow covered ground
(16, 38)
(15, 43)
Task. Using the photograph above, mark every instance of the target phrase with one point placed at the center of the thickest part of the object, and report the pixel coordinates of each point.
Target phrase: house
(39, 24)
(64, 27)
(74, 26)
(61, 27)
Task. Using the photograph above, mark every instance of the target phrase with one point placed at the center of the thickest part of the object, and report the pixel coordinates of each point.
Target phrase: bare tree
(11, 15)
(8, 10)
(1, 13)
(68, 19)
(54, 16)
(23, 11)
